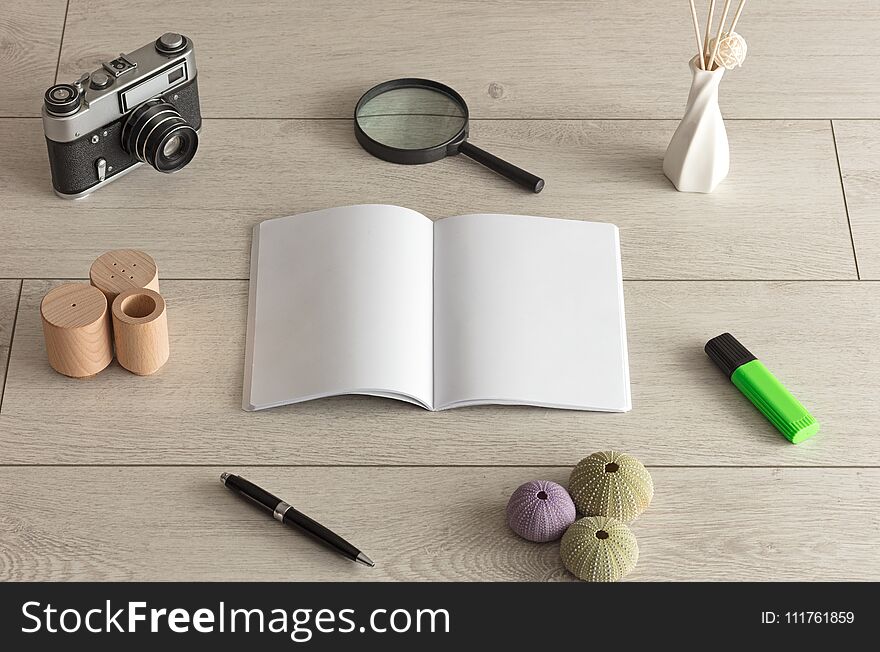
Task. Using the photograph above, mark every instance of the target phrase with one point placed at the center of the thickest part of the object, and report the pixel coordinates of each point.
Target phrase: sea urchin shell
(540, 511)
(599, 549)
(611, 484)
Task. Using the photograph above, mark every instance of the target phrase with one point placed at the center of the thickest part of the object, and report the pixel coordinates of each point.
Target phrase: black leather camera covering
(73, 164)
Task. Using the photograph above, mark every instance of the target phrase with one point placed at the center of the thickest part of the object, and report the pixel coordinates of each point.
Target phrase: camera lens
(172, 147)
(155, 133)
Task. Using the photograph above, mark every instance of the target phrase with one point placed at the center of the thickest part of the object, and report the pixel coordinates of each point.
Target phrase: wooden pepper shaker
(122, 269)
(140, 327)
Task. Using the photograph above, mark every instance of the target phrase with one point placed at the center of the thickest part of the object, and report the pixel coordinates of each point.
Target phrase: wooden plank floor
(780, 216)
(514, 59)
(858, 144)
(30, 41)
(425, 524)
(685, 411)
(9, 293)
(785, 255)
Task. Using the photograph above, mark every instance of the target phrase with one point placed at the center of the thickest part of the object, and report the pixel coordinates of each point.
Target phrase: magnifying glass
(414, 121)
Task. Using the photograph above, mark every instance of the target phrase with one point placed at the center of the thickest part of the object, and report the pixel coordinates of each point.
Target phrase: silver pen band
(280, 510)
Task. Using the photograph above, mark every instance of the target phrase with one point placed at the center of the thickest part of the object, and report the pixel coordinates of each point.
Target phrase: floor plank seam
(547, 119)
(418, 466)
(501, 119)
(61, 42)
(11, 339)
(845, 203)
(625, 280)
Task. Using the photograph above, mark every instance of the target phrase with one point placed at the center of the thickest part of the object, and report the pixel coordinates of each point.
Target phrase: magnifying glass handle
(518, 175)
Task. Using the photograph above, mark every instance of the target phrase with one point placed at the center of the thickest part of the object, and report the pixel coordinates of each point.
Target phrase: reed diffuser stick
(708, 30)
(697, 34)
(739, 10)
(720, 31)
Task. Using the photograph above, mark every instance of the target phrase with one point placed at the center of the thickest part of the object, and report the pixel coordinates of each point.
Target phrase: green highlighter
(762, 388)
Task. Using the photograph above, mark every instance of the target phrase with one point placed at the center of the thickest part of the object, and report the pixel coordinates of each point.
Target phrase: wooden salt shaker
(76, 326)
(122, 269)
(140, 327)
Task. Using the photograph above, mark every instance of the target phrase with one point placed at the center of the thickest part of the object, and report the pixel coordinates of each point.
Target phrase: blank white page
(340, 303)
(529, 310)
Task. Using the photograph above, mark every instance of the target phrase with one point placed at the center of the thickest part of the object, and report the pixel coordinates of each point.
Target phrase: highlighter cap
(727, 353)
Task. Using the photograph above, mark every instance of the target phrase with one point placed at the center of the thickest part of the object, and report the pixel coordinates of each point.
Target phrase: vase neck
(704, 85)
(705, 78)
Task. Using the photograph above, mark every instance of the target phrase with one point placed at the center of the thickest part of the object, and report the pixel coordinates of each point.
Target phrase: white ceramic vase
(698, 156)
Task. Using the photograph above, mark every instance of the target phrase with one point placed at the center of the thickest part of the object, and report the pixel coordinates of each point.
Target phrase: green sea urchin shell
(611, 484)
(599, 549)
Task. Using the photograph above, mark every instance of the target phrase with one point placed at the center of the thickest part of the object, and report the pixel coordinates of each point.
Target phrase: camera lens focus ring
(155, 133)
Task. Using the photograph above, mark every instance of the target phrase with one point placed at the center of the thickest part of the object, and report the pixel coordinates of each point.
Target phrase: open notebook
(473, 309)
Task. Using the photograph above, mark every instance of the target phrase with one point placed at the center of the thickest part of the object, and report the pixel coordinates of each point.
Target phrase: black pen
(284, 513)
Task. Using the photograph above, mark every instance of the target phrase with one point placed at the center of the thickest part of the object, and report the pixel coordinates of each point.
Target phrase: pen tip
(223, 477)
(366, 561)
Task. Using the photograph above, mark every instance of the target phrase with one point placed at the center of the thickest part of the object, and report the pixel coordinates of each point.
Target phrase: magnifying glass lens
(413, 121)
(411, 118)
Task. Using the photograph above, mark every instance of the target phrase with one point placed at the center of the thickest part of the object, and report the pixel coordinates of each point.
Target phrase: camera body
(141, 107)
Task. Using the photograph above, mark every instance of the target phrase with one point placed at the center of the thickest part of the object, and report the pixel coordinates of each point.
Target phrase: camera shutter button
(170, 42)
(100, 80)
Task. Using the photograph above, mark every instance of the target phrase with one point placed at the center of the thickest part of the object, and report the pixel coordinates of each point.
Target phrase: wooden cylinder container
(76, 326)
(140, 327)
(123, 269)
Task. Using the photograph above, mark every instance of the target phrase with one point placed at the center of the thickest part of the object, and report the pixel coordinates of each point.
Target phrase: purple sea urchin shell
(540, 511)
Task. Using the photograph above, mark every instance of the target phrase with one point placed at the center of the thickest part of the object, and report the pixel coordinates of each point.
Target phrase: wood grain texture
(858, 145)
(425, 524)
(779, 215)
(30, 38)
(559, 59)
(8, 304)
(123, 269)
(819, 338)
(76, 329)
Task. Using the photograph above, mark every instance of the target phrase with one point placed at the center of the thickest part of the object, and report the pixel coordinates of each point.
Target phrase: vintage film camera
(141, 107)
